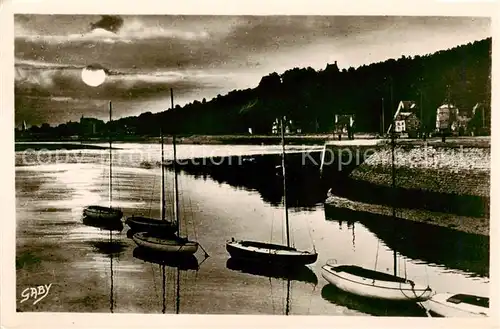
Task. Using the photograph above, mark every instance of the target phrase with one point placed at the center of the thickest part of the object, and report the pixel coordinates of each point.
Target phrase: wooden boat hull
(146, 224)
(104, 213)
(266, 252)
(165, 245)
(441, 305)
(385, 288)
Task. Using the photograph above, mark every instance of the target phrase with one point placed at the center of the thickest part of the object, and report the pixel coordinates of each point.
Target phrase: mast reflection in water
(289, 273)
(429, 243)
(177, 262)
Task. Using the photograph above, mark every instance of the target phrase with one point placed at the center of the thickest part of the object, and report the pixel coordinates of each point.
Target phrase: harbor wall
(452, 179)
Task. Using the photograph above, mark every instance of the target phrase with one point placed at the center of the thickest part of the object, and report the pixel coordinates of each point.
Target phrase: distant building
(289, 126)
(447, 117)
(406, 121)
(480, 122)
(90, 126)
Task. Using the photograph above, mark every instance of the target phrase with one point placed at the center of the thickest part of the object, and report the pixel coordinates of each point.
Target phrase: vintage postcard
(326, 163)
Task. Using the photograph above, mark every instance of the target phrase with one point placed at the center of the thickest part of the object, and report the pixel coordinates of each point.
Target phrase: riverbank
(311, 139)
(467, 224)
(443, 185)
(48, 146)
(450, 170)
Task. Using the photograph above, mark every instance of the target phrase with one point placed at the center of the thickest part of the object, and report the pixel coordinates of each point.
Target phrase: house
(289, 126)
(406, 120)
(447, 118)
(480, 122)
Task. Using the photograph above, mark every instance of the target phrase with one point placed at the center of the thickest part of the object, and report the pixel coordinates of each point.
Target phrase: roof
(405, 109)
(407, 105)
(405, 114)
(449, 106)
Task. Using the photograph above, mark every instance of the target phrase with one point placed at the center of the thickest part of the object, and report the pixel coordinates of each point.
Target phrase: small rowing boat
(374, 284)
(457, 305)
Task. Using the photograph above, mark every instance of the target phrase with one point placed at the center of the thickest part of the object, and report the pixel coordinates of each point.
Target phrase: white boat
(99, 212)
(374, 284)
(269, 252)
(457, 305)
(174, 244)
(166, 245)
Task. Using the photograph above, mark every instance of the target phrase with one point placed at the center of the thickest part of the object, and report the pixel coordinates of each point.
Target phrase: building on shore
(406, 120)
(290, 127)
(447, 118)
(480, 122)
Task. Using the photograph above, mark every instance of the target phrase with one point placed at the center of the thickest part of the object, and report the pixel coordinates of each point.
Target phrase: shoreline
(319, 139)
(466, 224)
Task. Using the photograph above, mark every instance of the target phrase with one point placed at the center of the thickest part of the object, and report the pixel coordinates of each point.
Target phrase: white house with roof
(405, 119)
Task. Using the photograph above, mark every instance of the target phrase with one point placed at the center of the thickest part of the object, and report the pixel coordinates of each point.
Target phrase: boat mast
(393, 142)
(162, 179)
(110, 157)
(176, 194)
(284, 182)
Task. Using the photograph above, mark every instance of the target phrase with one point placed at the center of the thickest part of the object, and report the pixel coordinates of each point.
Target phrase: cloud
(110, 29)
(68, 83)
(111, 23)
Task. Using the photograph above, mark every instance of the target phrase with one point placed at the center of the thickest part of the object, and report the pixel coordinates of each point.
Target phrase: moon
(93, 75)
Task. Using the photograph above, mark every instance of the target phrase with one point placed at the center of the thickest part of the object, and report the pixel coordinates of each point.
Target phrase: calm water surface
(91, 273)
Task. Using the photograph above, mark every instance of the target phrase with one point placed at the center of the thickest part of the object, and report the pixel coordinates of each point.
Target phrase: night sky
(199, 56)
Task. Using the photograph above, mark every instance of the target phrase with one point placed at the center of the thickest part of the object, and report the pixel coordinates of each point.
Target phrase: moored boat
(457, 305)
(374, 284)
(102, 212)
(147, 224)
(98, 212)
(153, 239)
(173, 244)
(268, 252)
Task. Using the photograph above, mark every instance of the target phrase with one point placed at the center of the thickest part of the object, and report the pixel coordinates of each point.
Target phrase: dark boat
(158, 226)
(105, 213)
(269, 252)
(148, 224)
(153, 239)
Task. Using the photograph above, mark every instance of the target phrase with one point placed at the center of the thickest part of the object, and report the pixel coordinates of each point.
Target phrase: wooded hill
(312, 98)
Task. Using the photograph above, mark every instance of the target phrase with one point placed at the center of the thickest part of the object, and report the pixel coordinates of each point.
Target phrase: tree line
(461, 75)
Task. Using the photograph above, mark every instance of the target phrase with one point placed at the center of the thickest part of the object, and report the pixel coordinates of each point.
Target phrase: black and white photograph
(249, 164)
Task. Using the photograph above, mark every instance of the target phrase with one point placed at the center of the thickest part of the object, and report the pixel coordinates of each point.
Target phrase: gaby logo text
(35, 293)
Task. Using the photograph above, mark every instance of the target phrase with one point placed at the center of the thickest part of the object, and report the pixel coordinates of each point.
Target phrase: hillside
(312, 98)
